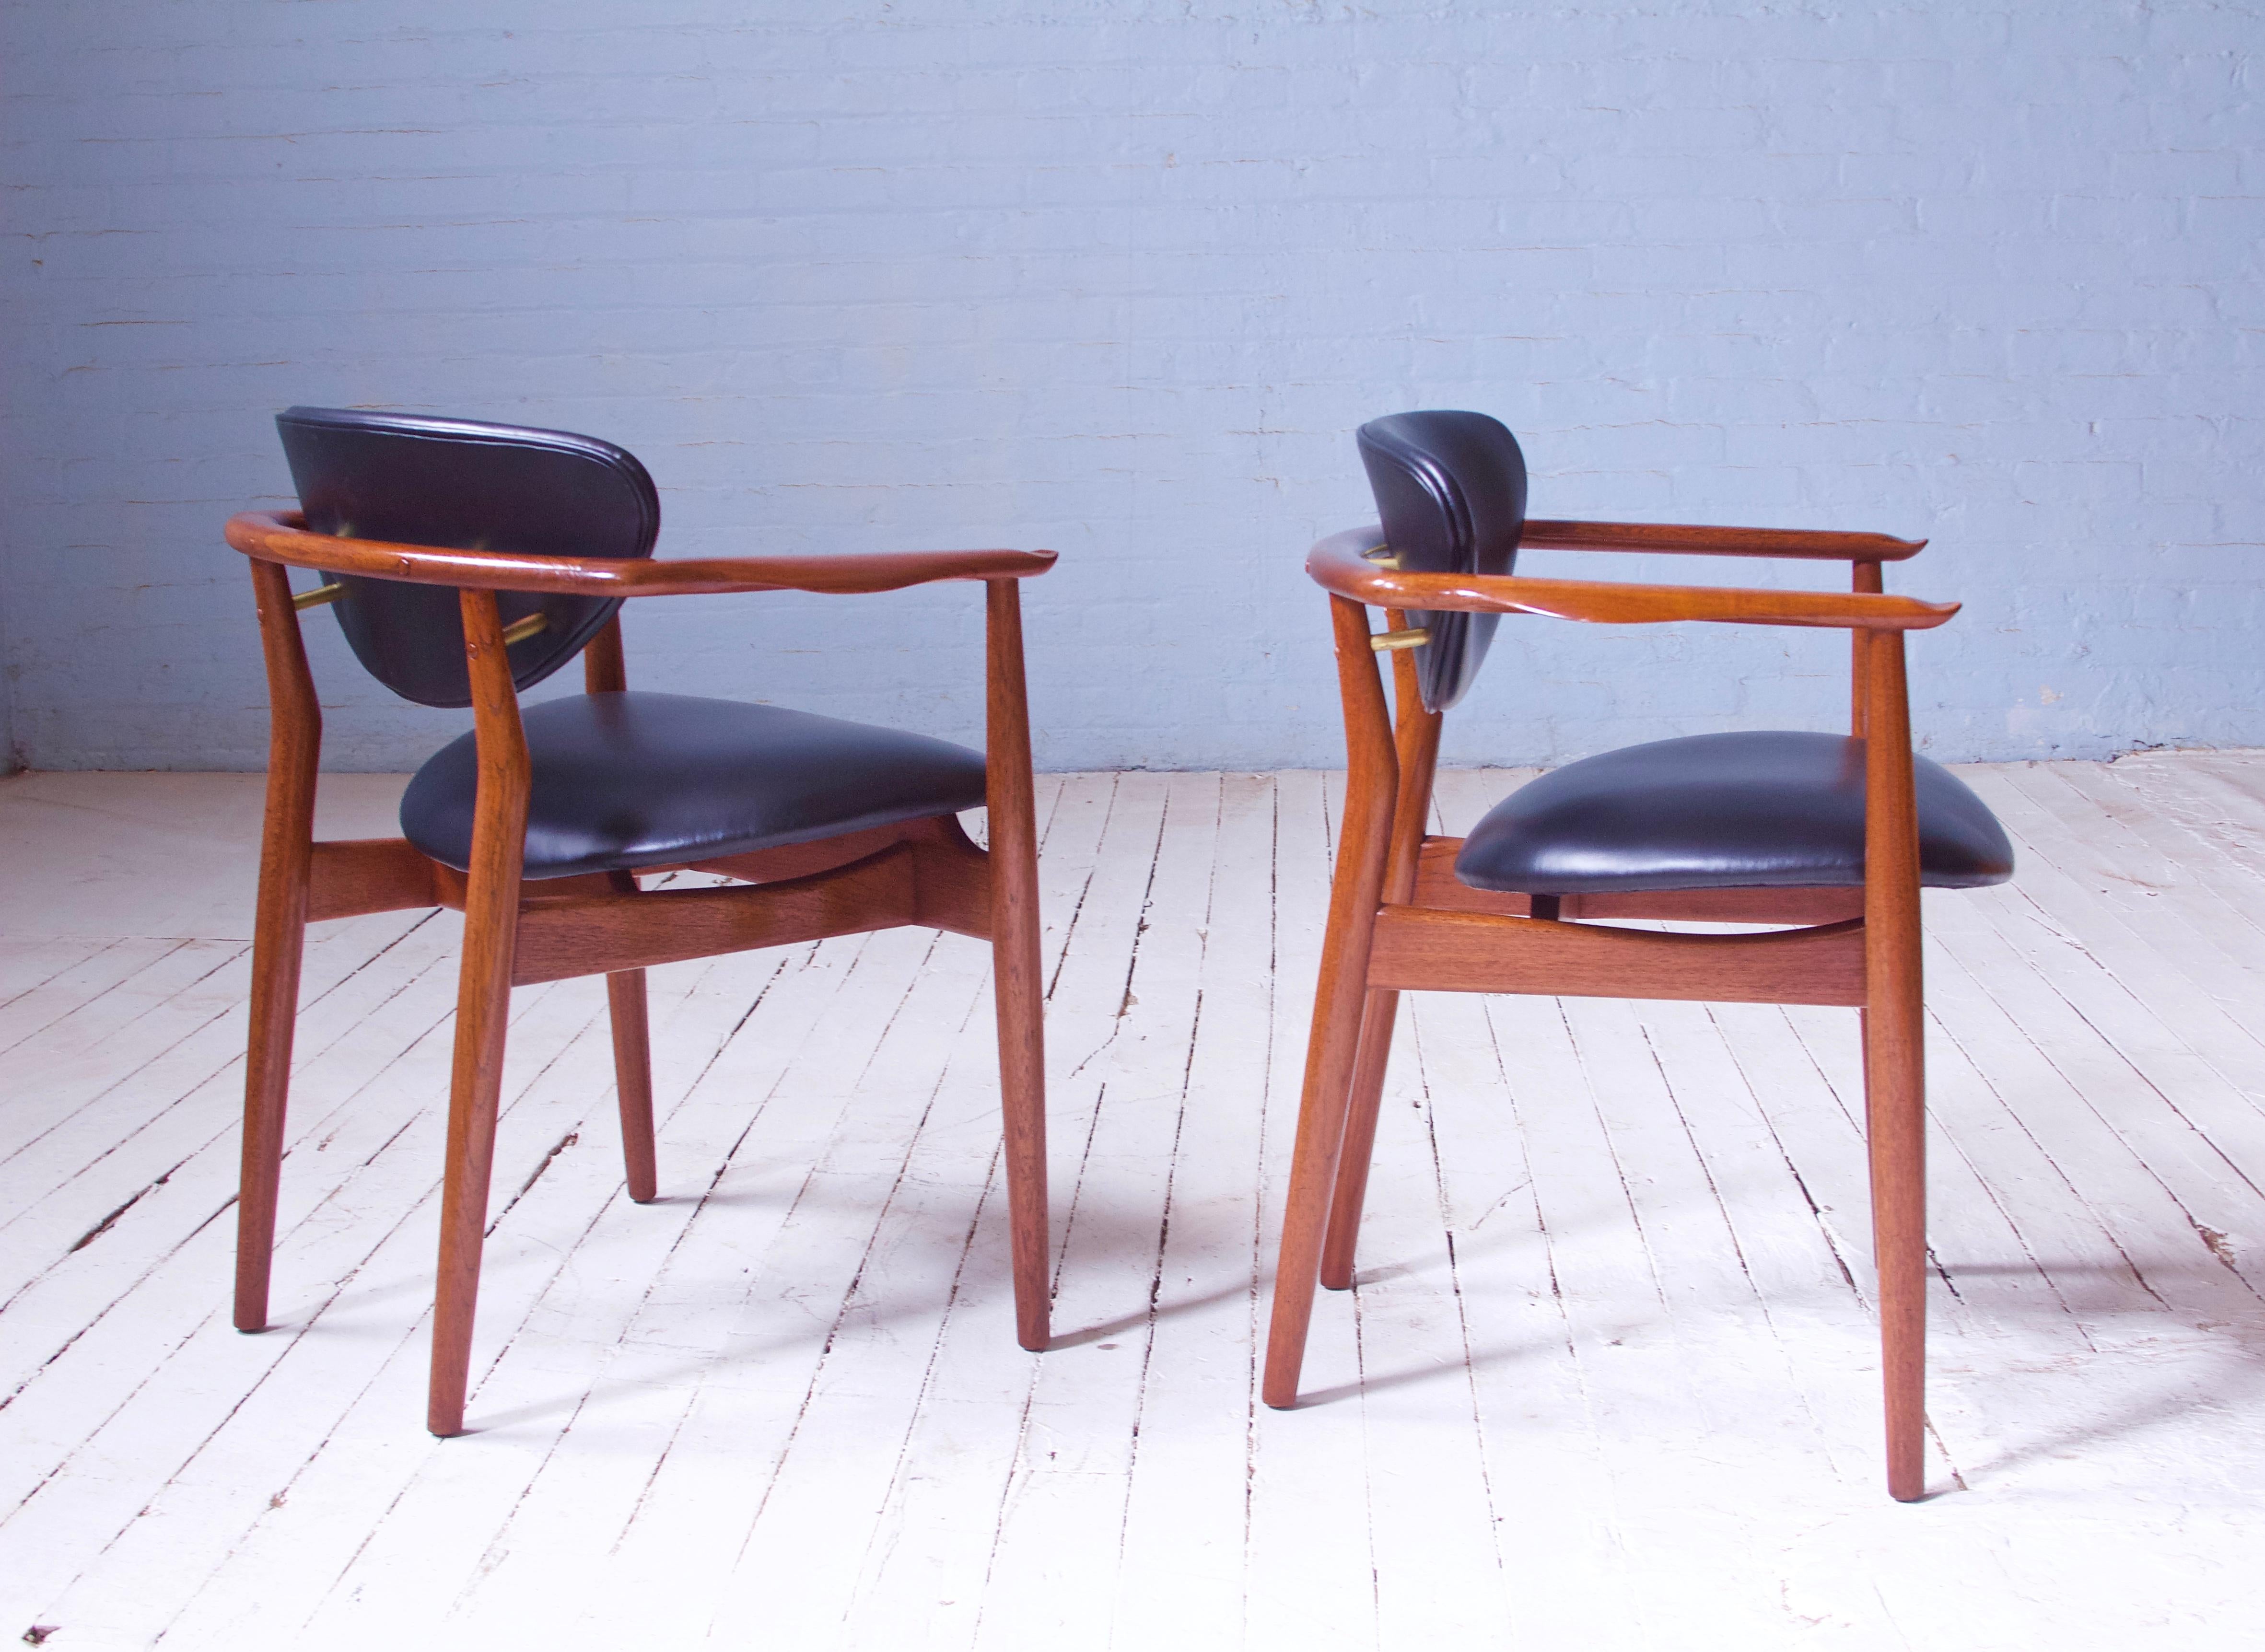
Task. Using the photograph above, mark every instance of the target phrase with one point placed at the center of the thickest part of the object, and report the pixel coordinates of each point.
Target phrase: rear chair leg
(625, 1005)
(625, 998)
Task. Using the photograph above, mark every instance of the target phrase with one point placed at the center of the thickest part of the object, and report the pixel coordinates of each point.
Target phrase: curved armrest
(282, 536)
(1678, 539)
(1337, 564)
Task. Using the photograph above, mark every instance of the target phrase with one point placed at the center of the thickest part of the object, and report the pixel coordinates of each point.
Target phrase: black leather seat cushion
(628, 780)
(1766, 810)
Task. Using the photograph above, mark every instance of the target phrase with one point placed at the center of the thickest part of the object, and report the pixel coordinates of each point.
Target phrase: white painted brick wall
(1120, 279)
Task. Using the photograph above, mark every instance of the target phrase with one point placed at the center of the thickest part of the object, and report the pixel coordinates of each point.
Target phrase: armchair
(467, 562)
(1830, 836)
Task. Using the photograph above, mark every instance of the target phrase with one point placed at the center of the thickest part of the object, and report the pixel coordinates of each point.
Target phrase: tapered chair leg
(1895, 1060)
(1895, 1108)
(277, 944)
(1313, 1173)
(1340, 995)
(491, 889)
(482, 1018)
(1016, 988)
(286, 852)
(1359, 1146)
(1022, 1106)
(625, 1002)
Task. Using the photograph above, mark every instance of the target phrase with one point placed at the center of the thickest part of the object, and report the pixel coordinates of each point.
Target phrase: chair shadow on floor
(2225, 1373)
(800, 1344)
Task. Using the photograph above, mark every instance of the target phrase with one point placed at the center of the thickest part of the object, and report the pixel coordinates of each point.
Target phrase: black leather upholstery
(1450, 490)
(628, 780)
(463, 485)
(1766, 810)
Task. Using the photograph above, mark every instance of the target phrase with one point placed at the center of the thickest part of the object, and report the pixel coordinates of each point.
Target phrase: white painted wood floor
(1608, 1380)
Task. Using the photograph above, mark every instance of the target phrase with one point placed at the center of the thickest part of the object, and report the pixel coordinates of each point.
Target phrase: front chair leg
(277, 944)
(1371, 792)
(483, 1005)
(482, 1018)
(1312, 1170)
(286, 866)
(1359, 1146)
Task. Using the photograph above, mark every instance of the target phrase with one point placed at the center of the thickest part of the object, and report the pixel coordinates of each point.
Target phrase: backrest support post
(1415, 740)
(499, 814)
(603, 669)
(1866, 579)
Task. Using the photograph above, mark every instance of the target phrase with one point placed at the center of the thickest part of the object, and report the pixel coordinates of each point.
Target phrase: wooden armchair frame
(923, 872)
(1400, 921)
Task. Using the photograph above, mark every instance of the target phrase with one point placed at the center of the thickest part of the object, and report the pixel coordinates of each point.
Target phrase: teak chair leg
(278, 939)
(1895, 1063)
(1016, 986)
(625, 1001)
(1359, 1146)
(483, 1006)
(1314, 1162)
(625, 1006)
(1894, 1110)
(483, 1017)
(1371, 796)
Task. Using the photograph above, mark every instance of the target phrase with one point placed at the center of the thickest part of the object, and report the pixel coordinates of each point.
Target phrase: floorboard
(1607, 1376)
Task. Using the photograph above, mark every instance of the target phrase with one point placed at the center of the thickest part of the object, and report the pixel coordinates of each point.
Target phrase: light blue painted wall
(1120, 279)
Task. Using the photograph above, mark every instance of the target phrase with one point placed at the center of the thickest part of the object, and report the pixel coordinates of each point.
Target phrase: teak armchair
(1831, 836)
(468, 561)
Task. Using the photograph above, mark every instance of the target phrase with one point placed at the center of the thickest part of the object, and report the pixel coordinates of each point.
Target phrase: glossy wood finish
(629, 1019)
(1864, 578)
(483, 1003)
(1674, 539)
(626, 1011)
(1400, 921)
(1337, 565)
(603, 669)
(282, 536)
(924, 872)
(1417, 738)
(605, 672)
(1015, 971)
(286, 854)
(1479, 952)
(565, 935)
(1371, 792)
(366, 875)
(1895, 1062)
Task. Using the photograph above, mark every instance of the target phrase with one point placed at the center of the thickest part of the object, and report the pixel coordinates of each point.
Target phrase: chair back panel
(1450, 491)
(463, 485)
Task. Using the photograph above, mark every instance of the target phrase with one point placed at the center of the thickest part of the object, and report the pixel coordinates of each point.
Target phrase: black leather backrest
(1450, 490)
(463, 485)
